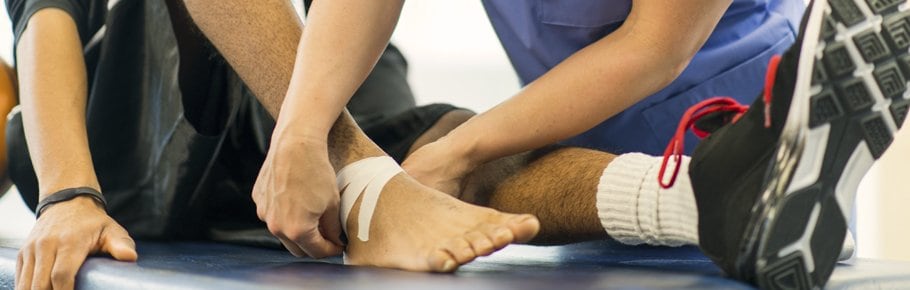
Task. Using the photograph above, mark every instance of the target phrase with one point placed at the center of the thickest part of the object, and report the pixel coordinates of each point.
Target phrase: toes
(447, 258)
(461, 250)
(481, 244)
(501, 236)
(441, 261)
(524, 227)
(512, 229)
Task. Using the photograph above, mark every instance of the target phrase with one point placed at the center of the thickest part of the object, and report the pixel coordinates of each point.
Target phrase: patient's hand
(438, 167)
(296, 195)
(63, 237)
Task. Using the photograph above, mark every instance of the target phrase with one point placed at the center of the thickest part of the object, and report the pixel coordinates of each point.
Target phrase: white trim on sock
(634, 209)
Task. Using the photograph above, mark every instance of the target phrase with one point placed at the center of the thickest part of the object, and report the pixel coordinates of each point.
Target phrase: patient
(132, 125)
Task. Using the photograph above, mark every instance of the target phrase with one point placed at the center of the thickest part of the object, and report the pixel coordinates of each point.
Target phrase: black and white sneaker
(775, 186)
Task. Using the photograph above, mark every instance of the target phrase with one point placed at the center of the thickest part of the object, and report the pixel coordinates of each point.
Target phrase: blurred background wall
(456, 58)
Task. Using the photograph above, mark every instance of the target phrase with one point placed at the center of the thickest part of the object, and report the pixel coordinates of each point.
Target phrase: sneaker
(849, 249)
(774, 187)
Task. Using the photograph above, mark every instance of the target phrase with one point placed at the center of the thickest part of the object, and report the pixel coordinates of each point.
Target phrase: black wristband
(68, 194)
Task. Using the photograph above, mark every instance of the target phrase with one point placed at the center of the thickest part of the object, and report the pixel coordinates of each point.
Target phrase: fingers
(314, 244)
(257, 195)
(310, 243)
(307, 243)
(260, 205)
(116, 242)
(50, 264)
(301, 212)
(66, 266)
(18, 267)
(291, 246)
(19, 262)
(44, 262)
(24, 277)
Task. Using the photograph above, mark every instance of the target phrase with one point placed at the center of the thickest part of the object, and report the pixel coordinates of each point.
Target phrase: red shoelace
(676, 146)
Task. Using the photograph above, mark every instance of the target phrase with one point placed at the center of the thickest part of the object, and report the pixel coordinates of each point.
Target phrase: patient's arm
(53, 90)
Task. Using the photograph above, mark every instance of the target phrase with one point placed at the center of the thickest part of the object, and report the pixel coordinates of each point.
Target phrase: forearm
(53, 90)
(341, 44)
(642, 57)
(564, 102)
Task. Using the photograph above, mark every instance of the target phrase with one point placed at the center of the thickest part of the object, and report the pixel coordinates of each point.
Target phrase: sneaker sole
(850, 99)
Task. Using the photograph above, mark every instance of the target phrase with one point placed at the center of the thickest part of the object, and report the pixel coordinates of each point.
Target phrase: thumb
(119, 245)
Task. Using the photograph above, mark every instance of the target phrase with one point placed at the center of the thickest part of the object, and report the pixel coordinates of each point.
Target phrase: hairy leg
(259, 39)
(558, 185)
(580, 194)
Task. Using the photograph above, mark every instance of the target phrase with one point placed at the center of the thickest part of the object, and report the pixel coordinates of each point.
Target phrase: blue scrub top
(538, 35)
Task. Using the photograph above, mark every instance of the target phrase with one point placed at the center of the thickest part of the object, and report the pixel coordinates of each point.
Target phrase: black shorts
(172, 170)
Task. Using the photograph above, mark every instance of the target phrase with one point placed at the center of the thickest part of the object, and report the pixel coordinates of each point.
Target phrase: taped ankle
(365, 177)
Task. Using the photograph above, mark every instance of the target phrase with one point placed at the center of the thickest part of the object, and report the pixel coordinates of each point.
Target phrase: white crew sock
(634, 208)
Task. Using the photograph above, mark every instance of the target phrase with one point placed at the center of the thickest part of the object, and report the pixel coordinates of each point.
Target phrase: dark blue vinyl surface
(599, 265)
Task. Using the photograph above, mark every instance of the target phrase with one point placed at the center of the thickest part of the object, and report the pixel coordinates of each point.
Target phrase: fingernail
(448, 266)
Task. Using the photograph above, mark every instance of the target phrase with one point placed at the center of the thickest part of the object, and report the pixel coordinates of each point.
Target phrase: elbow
(680, 58)
(677, 68)
(678, 55)
(665, 61)
(671, 69)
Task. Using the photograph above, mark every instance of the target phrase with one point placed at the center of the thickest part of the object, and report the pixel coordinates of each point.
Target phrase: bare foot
(420, 229)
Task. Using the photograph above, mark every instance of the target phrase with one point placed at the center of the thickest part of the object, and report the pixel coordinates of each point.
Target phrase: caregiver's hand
(296, 195)
(441, 166)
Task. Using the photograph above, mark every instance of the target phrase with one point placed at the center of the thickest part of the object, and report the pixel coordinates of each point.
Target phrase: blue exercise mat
(596, 265)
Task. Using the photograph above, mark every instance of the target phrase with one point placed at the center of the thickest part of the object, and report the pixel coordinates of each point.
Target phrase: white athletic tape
(366, 177)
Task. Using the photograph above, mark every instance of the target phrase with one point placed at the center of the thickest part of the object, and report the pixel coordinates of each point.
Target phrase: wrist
(76, 204)
(462, 152)
(299, 133)
(306, 118)
(48, 188)
(85, 201)
(299, 130)
(295, 140)
(70, 194)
